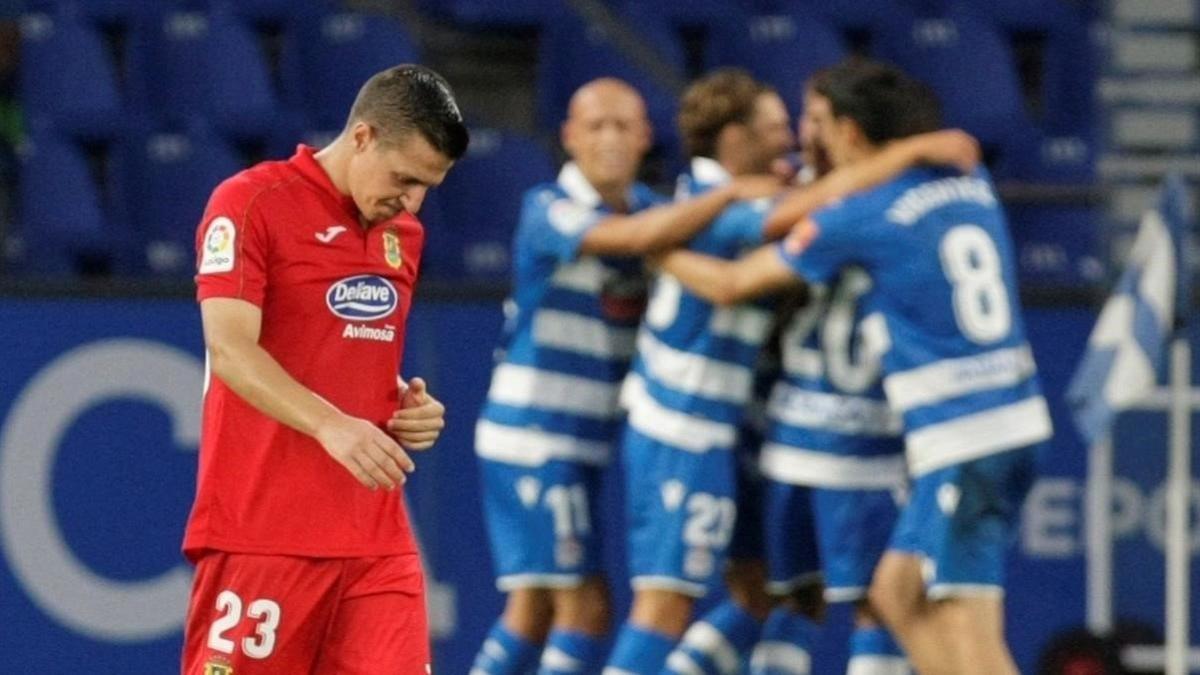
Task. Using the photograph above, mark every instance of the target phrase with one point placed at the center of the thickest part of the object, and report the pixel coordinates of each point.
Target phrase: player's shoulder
(542, 195)
(244, 187)
(645, 196)
(929, 190)
(870, 204)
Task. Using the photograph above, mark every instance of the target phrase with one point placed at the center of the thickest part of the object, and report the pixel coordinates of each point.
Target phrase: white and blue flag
(1149, 304)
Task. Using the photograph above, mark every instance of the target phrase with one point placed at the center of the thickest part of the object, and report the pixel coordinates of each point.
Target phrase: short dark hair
(883, 100)
(408, 98)
(723, 97)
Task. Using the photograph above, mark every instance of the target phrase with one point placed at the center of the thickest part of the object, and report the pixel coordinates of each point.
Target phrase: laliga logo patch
(365, 297)
(218, 246)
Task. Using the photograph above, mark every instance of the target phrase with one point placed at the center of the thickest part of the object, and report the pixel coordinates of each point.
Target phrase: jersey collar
(306, 163)
(577, 187)
(709, 171)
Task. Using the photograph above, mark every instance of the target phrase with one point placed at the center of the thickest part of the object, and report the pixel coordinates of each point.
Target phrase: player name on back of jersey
(917, 201)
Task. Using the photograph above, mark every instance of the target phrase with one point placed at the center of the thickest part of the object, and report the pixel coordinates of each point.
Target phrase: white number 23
(265, 612)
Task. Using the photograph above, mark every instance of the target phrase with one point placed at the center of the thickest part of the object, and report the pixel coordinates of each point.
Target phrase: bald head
(607, 134)
(606, 92)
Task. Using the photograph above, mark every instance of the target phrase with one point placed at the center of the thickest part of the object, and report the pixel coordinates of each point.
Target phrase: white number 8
(972, 264)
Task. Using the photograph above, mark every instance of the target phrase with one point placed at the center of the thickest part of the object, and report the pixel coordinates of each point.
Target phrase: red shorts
(253, 614)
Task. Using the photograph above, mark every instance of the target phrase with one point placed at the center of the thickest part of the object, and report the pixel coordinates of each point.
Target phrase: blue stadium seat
(782, 49)
(67, 77)
(109, 12)
(273, 11)
(860, 15)
(470, 224)
(1024, 15)
(190, 66)
(572, 53)
(690, 12)
(1070, 70)
(327, 59)
(283, 144)
(492, 13)
(1057, 245)
(1041, 156)
(967, 62)
(61, 212)
(169, 179)
(1063, 146)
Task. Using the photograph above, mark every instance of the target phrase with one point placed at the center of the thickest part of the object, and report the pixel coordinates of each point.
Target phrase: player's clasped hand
(366, 451)
(421, 417)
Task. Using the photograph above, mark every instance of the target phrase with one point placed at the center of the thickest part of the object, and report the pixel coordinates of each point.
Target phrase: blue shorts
(961, 519)
(542, 523)
(793, 560)
(680, 514)
(853, 529)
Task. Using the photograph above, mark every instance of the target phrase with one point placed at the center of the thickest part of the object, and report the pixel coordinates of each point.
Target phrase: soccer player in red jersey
(305, 561)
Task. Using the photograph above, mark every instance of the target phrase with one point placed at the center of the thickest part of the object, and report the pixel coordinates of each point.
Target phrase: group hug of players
(828, 397)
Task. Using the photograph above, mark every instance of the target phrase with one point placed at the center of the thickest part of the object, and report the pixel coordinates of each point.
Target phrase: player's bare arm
(231, 332)
(421, 417)
(670, 225)
(950, 147)
(729, 282)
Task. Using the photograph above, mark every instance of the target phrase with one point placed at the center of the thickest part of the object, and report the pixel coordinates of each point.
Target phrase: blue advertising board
(99, 418)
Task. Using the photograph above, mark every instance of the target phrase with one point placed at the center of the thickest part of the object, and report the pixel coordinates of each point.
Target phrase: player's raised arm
(670, 225)
(231, 334)
(952, 147)
(728, 282)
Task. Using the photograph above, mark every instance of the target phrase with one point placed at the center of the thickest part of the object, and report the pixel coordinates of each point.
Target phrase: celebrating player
(732, 125)
(688, 389)
(833, 449)
(305, 561)
(545, 432)
(936, 249)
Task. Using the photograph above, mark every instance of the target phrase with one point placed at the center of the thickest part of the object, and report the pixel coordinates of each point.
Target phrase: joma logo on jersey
(365, 297)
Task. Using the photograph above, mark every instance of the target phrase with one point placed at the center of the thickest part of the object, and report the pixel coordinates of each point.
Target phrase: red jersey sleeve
(231, 245)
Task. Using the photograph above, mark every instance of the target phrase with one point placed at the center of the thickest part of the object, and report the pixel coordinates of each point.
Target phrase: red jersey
(334, 298)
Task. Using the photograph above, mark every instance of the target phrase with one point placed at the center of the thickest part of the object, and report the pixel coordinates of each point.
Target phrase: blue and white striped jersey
(829, 422)
(957, 367)
(569, 336)
(694, 369)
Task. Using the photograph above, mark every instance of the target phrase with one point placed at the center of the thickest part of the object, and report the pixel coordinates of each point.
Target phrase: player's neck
(734, 162)
(335, 159)
(860, 151)
(615, 199)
